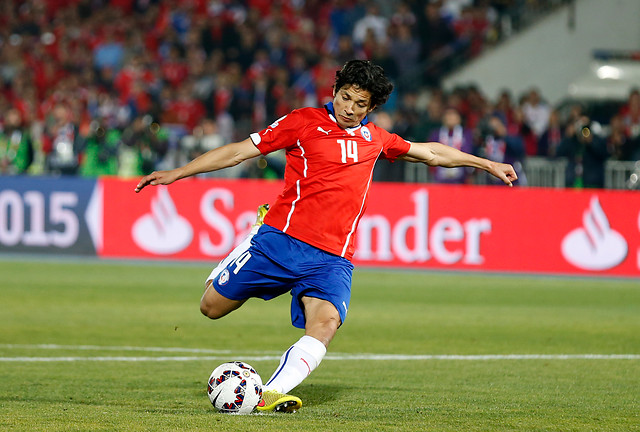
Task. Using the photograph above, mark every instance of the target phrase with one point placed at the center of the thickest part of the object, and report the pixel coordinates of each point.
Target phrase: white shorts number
(241, 261)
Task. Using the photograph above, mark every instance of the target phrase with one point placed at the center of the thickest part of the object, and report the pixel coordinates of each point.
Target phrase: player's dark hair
(367, 76)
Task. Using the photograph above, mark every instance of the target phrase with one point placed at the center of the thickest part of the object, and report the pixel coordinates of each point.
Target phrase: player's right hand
(157, 178)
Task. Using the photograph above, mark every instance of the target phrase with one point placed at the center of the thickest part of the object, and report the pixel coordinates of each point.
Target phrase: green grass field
(103, 346)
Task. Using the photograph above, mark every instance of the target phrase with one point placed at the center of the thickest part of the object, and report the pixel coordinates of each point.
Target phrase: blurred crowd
(513, 129)
(124, 87)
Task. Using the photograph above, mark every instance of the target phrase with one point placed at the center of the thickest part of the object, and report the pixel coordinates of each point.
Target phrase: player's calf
(322, 319)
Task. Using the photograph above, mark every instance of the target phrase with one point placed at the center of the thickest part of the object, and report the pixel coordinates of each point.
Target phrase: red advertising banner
(193, 219)
(503, 229)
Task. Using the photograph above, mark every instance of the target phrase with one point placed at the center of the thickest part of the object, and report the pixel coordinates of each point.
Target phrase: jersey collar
(332, 115)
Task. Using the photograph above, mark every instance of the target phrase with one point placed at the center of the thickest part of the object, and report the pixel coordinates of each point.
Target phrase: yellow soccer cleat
(274, 401)
(262, 212)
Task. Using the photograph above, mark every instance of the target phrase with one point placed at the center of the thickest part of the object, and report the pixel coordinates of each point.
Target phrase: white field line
(129, 359)
(264, 355)
(112, 348)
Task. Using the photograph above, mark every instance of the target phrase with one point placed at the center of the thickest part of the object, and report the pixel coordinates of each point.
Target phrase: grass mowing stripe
(339, 357)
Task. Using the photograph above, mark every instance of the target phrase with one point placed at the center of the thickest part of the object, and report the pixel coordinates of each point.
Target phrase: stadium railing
(545, 172)
(622, 174)
(539, 171)
(416, 173)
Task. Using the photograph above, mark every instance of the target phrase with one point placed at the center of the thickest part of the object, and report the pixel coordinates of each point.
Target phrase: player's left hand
(504, 172)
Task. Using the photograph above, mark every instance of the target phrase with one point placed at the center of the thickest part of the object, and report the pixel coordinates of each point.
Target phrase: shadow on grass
(319, 394)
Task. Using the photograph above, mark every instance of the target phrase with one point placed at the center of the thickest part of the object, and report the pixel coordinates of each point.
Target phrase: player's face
(351, 105)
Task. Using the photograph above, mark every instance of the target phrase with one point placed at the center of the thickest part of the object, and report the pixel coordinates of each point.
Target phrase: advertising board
(530, 230)
(420, 226)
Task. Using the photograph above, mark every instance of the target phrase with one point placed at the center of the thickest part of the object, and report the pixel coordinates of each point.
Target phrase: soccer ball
(235, 387)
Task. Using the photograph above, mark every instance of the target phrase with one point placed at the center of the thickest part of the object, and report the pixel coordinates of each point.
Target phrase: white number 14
(349, 150)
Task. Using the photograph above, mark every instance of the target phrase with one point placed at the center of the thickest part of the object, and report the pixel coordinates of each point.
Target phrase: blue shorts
(270, 263)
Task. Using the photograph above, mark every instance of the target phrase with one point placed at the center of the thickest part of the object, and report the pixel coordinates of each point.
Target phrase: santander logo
(595, 245)
(163, 231)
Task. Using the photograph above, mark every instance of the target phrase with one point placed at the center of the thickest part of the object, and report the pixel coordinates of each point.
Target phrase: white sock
(296, 364)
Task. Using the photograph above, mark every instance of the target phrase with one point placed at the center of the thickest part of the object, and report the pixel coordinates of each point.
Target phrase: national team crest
(224, 277)
(366, 133)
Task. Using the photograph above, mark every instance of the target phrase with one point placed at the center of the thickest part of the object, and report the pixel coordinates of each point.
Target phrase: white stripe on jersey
(364, 199)
(304, 159)
(293, 204)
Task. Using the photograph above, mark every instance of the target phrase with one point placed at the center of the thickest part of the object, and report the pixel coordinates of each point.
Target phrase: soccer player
(307, 240)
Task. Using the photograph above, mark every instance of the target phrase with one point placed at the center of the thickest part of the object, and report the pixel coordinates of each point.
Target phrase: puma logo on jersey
(322, 130)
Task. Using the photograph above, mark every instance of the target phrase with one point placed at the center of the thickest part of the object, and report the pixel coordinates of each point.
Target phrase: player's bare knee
(204, 309)
(209, 310)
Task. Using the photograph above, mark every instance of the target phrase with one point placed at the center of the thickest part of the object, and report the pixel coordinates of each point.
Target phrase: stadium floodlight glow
(609, 72)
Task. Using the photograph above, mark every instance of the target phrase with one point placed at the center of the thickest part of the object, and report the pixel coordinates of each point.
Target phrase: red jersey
(327, 176)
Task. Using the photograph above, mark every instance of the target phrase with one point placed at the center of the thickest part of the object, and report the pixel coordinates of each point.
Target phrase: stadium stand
(124, 87)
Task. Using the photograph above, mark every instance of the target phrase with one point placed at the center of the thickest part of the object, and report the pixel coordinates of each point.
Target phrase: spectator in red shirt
(131, 74)
(174, 68)
(322, 73)
(185, 109)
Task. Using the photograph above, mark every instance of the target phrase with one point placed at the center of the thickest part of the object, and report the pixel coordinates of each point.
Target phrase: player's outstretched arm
(213, 160)
(437, 154)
